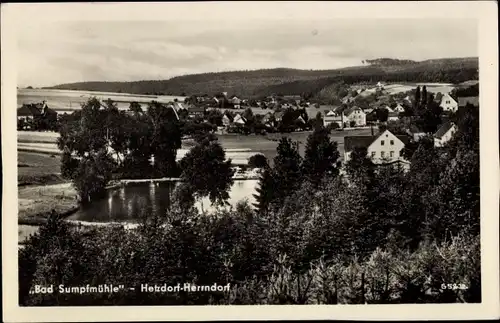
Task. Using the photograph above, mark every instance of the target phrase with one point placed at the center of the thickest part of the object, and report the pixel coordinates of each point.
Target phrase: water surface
(129, 203)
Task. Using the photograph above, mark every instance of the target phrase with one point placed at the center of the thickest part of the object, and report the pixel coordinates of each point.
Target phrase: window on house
(392, 154)
(392, 142)
(373, 154)
(448, 102)
(382, 154)
(381, 142)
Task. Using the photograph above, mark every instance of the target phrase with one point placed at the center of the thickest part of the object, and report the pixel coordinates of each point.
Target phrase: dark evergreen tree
(417, 97)
(286, 169)
(321, 156)
(266, 190)
(424, 99)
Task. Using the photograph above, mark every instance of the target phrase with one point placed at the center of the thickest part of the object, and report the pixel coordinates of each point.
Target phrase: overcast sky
(51, 53)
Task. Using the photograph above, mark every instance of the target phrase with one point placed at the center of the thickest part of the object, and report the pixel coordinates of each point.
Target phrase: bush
(257, 161)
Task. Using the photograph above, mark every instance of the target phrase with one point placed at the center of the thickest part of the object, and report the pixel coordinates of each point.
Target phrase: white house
(444, 134)
(333, 117)
(226, 121)
(238, 119)
(236, 102)
(399, 108)
(448, 103)
(355, 114)
(384, 148)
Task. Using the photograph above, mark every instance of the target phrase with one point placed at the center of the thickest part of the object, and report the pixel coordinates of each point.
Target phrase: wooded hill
(294, 81)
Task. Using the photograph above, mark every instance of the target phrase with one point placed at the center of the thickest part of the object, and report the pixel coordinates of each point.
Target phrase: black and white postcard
(177, 160)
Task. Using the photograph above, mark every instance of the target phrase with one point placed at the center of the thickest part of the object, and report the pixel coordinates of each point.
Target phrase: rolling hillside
(293, 81)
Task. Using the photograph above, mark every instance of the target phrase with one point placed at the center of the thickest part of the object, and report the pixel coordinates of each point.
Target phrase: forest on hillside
(263, 82)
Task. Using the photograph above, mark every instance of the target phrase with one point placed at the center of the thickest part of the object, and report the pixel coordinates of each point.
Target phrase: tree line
(318, 234)
(291, 81)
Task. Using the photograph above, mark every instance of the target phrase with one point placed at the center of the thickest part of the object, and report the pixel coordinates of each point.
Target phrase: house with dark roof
(415, 132)
(27, 112)
(444, 134)
(355, 114)
(474, 100)
(383, 148)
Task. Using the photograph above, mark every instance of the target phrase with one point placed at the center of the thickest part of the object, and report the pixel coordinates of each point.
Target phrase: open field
(37, 169)
(37, 136)
(267, 144)
(431, 87)
(36, 202)
(72, 100)
(252, 144)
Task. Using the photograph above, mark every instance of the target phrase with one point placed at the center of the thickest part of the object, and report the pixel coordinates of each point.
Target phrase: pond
(128, 203)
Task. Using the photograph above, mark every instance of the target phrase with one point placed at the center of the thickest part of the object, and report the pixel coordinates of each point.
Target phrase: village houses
(333, 117)
(448, 103)
(28, 112)
(384, 148)
(227, 120)
(236, 102)
(444, 134)
(239, 120)
(399, 109)
(355, 114)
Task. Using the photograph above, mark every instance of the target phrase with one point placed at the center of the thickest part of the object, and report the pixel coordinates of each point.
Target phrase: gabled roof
(446, 96)
(171, 106)
(348, 111)
(28, 110)
(238, 118)
(351, 142)
(443, 129)
(301, 119)
(228, 116)
(474, 100)
(179, 106)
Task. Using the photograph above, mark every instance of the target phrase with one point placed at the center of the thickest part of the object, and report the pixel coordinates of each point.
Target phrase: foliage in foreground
(234, 249)
(373, 236)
